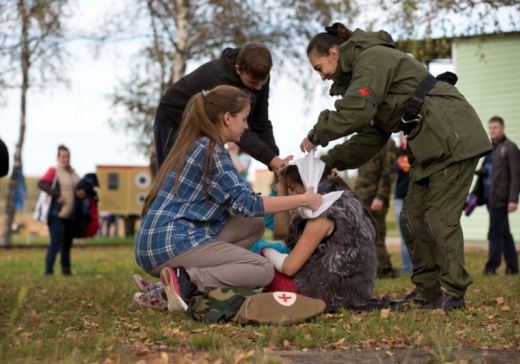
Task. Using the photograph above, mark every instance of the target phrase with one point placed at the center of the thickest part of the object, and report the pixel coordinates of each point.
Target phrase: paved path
(419, 356)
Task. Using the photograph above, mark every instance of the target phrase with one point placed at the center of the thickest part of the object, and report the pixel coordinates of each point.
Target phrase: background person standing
(373, 188)
(501, 184)
(60, 182)
(402, 166)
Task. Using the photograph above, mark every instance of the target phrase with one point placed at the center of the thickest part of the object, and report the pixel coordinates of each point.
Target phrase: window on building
(113, 181)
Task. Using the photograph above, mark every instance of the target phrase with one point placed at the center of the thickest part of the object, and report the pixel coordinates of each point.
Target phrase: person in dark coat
(333, 257)
(247, 68)
(4, 159)
(501, 186)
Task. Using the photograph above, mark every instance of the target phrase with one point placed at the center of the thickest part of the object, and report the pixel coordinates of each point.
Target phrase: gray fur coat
(342, 269)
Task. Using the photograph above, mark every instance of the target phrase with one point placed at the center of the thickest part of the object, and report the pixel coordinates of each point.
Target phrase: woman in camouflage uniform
(376, 83)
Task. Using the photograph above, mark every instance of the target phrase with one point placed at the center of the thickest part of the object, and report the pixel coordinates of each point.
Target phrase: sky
(78, 115)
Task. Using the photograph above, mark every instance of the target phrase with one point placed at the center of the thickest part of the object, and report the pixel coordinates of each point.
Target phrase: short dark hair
(62, 147)
(255, 59)
(292, 174)
(497, 119)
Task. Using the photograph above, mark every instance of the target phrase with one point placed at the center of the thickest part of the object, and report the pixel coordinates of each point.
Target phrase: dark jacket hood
(229, 58)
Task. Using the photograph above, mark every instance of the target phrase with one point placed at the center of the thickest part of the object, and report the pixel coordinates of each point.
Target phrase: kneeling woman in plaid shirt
(201, 216)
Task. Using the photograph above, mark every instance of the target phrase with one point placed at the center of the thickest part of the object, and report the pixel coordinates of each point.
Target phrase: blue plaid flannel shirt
(174, 223)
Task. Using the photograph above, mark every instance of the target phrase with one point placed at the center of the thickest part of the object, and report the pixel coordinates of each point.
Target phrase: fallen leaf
(165, 358)
(506, 308)
(244, 356)
(385, 312)
(500, 300)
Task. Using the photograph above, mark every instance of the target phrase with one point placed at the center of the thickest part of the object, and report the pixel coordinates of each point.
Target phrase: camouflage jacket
(375, 80)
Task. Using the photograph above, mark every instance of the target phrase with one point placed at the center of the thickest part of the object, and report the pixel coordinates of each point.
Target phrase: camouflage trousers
(384, 266)
(430, 223)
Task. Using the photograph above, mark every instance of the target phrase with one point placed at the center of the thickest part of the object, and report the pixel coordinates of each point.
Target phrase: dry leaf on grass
(243, 356)
(506, 308)
(385, 312)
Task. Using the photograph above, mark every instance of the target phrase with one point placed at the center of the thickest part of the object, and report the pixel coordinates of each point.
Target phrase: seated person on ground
(333, 256)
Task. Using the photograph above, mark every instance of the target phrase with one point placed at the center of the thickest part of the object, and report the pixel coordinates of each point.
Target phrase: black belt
(412, 108)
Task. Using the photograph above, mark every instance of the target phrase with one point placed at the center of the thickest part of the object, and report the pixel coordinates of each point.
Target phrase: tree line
(34, 35)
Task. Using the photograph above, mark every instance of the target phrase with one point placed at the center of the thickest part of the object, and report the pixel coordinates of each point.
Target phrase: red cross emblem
(285, 298)
(364, 91)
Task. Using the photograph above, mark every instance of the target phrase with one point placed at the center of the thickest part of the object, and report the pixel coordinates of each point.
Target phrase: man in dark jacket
(501, 185)
(246, 68)
(4, 159)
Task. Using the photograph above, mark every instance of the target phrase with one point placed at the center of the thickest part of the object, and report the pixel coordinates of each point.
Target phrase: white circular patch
(285, 298)
(142, 180)
(140, 198)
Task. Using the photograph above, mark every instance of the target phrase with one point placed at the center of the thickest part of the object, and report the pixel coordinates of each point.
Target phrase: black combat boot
(453, 303)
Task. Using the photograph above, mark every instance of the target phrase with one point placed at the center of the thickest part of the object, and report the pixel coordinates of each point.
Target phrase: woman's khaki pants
(226, 262)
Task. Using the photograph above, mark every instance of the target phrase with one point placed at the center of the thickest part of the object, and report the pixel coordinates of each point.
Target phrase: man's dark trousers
(500, 240)
(164, 137)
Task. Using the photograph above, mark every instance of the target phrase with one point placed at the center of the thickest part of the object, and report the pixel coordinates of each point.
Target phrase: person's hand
(376, 205)
(313, 200)
(512, 206)
(232, 149)
(61, 200)
(81, 194)
(278, 163)
(306, 145)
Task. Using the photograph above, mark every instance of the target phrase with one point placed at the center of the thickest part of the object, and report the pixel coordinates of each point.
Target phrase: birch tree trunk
(10, 210)
(181, 17)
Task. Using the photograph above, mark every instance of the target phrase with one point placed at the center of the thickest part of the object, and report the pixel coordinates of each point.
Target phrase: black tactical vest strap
(413, 106)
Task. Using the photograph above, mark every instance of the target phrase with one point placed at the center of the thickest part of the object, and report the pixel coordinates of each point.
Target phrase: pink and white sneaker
(152, 299)
(178, 287)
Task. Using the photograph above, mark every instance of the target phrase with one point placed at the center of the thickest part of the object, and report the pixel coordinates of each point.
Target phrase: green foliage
(91, 317)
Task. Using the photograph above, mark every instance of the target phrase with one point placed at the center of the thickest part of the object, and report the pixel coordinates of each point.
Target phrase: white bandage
(311, 169)
(275, 257)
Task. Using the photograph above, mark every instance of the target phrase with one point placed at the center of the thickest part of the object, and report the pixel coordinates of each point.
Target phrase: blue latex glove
(260, 244)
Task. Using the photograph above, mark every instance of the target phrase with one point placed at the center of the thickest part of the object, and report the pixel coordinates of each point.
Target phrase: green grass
(42, 241)
(90, 317)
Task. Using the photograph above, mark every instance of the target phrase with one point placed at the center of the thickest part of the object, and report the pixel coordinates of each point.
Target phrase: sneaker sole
(171, 287)
(137, 300)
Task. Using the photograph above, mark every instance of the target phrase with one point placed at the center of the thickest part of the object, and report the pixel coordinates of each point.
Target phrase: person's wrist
(300, 201)
(275, 162)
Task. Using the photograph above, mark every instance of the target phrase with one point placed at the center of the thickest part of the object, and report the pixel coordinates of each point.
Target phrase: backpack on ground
(252, 306)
